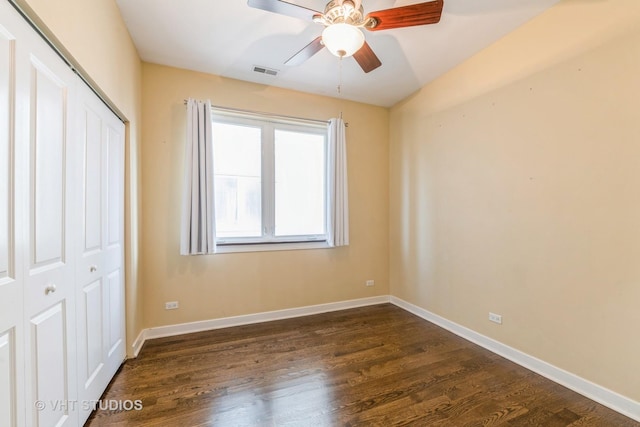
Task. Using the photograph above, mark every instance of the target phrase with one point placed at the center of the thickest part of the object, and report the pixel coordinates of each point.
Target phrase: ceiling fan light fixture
(342, 39)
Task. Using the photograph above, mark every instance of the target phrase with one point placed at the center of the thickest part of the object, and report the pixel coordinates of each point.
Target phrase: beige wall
(216, 286)
(94, 35)
(515, 188)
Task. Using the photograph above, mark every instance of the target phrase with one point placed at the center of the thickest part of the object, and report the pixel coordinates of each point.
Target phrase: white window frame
(268, 124)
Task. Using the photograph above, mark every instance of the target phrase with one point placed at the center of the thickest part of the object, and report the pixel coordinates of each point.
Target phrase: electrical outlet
(171, 305)
(369, 283)
(495, 318)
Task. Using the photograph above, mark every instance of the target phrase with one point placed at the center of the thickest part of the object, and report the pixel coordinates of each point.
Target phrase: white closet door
(100, 292)
(62, 329)
(49, 293)
(11, 222)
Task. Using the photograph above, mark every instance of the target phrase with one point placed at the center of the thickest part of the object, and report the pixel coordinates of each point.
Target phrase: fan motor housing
(344, 11)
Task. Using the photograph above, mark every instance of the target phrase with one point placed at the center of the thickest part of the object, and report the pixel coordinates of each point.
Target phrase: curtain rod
(277, 116)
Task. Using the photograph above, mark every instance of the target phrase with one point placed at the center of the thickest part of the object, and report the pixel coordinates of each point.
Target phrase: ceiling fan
(343, 20)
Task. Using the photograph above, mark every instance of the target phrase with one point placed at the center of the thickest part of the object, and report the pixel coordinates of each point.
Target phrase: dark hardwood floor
(370, 366)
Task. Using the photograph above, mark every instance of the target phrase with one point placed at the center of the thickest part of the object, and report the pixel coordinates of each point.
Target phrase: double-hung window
(270, 180)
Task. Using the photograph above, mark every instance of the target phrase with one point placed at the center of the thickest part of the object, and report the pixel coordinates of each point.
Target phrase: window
(270, 180)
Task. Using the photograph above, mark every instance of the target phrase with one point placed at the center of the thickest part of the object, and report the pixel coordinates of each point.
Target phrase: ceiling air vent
(265, 70)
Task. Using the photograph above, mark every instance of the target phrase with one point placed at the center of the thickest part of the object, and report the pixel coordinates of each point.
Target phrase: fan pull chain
(340, 76)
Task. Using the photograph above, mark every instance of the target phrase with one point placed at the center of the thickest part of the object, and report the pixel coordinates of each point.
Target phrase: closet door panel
(115, 321)
(50, 359)
(92, 376)
(115, 209)
(93, 147)
(7, 180)
(114, 258)
(101, 342)
(11, 222)
(91, 248)
(48, 192)
(50, 286)
(8, 398)
(93, 303)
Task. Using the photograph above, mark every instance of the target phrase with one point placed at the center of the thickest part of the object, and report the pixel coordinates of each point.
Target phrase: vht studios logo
(85, 405)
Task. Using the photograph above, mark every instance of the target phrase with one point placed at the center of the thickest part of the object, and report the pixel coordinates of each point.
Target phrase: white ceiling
(228, 38)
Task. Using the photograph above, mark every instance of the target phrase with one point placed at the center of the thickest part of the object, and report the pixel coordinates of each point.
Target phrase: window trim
(268, 124)
(268, 247)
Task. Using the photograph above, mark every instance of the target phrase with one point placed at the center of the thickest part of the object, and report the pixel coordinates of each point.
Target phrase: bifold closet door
(11, 222)
(61, 235)
(50, 332)
(99, 266)
(44, 205)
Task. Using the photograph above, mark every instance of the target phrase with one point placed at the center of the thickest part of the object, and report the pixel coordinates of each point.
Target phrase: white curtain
(198, 216)
(338, 206)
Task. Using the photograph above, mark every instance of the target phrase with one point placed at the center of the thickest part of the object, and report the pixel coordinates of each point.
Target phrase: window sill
(270, 247)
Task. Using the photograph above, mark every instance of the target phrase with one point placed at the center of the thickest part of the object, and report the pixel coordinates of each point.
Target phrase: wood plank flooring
(370, 366)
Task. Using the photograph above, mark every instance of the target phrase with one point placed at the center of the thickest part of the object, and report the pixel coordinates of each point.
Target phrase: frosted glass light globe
(342, 39)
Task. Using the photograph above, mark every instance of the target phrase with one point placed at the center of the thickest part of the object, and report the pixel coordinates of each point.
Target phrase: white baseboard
(226, 322)
(137, 344)
(602, 395)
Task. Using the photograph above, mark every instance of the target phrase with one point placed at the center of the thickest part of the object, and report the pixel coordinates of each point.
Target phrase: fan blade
(366, 58)
(306, 52)
(284, 8)
(407, 16)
